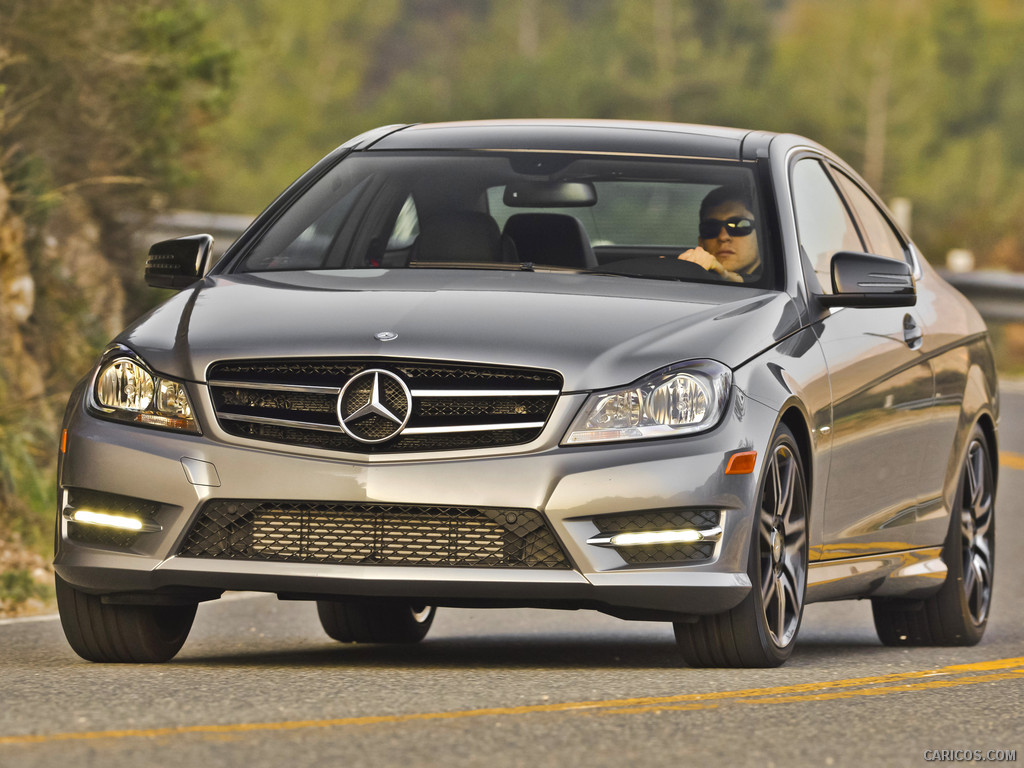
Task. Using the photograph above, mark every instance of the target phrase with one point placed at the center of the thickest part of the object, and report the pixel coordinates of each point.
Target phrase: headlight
(126, 390)
(680, 400)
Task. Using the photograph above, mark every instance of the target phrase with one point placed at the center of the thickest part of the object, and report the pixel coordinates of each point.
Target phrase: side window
(882, 240)
(823, 223)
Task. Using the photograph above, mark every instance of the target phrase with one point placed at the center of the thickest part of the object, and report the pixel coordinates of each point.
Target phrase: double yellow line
(882, 685)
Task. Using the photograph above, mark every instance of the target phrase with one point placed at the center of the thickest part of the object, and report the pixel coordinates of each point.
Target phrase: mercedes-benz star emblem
(385, 336)
(374, 406)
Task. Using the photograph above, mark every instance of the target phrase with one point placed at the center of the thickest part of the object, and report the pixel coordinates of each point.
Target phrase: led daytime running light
(642, 538)
(120, 522)
(654, 538)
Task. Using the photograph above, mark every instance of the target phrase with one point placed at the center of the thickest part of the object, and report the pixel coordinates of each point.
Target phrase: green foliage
(101, 104)
(924, 97)
(27, 447)
(110, 95)
(18, 586)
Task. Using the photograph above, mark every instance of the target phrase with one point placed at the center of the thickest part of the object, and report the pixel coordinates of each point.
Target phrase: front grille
(453, 405)
(112, 504)
(662, 520)
(373, 534)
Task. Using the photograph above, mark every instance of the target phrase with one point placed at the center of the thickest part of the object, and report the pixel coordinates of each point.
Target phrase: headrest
(458, 236)
(551, 238)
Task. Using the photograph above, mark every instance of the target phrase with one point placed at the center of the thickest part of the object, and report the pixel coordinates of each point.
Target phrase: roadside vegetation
(110, 111)
(101, 104)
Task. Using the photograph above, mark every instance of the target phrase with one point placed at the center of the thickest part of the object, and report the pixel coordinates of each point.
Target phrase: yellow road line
(957, 675)
(1011, 460)
(926, 685)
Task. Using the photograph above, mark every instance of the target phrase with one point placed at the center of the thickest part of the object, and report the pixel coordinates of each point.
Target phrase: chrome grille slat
(441, 393)
(282, 422)
(471, 428)
(277, 387)
(454, 405)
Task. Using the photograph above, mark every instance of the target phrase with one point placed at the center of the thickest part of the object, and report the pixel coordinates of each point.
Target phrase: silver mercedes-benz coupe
(667, 372)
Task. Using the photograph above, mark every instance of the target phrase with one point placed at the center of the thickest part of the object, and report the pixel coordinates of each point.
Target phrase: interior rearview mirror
(550, 194)
(178, 263)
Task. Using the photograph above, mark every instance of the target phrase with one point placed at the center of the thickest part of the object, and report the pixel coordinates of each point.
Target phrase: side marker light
(741, 463)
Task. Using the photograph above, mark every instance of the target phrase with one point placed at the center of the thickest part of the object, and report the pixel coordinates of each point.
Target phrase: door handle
(912, 333)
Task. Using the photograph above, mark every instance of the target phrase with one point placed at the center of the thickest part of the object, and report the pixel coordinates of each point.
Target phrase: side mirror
(866, 280)
(178, 263)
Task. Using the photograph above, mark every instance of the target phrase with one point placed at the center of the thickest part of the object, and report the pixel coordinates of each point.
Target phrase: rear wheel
(121, 633)
(958, 613)
(761, 631)
(375, 621)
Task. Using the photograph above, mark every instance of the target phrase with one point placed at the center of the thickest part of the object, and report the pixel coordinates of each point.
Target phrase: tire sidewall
(783, 437)
(952, 552)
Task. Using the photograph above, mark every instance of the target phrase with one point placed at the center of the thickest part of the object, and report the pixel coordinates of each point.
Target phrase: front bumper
(568, 486)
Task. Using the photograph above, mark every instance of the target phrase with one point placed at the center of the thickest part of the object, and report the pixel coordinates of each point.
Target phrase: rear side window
(882, 239)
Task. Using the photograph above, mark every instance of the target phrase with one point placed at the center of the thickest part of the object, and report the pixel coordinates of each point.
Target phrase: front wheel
(375, 621)
(958, 613)
(761, 631)
(103, 632)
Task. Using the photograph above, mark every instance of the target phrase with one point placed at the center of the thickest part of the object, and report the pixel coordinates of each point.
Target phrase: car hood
(596, 330)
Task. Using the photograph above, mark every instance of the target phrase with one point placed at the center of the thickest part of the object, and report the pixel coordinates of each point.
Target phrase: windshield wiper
(494, 265)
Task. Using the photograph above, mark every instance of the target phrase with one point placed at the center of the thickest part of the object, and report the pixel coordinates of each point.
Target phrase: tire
(958, 613)
(142, 634)
(375, 621)
(761, 631)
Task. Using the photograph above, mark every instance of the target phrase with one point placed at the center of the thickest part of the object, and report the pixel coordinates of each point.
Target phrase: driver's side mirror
(866, 280)
(178, 263)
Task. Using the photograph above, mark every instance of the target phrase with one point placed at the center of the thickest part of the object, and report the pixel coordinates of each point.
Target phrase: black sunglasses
(737, 226)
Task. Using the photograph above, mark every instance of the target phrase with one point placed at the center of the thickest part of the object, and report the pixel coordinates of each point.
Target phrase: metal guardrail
(999, 296)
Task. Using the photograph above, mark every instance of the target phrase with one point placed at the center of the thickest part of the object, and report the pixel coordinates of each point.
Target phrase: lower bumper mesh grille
(373, 534)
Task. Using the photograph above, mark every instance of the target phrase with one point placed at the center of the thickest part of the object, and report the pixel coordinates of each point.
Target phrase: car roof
(591, 136)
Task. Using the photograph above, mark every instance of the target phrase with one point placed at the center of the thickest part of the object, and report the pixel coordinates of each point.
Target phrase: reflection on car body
(472, 364)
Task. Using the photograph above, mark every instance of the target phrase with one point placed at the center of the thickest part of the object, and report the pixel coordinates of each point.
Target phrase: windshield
(522, 210)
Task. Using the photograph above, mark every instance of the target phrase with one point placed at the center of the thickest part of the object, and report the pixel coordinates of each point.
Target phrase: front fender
(792, 379)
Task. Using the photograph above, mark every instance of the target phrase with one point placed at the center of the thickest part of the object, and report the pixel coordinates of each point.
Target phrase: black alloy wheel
(783, 546)
(958, 613)
(761, 631)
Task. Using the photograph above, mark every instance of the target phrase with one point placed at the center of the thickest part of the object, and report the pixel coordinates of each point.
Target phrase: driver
(728, 236)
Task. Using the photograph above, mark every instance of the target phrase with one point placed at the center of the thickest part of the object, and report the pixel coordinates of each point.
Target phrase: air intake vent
(373, 534)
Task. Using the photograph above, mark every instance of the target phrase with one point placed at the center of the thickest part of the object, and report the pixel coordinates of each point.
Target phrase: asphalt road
(259, 684)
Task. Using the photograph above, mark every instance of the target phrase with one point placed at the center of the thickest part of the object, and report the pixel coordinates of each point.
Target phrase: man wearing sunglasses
(728, 236)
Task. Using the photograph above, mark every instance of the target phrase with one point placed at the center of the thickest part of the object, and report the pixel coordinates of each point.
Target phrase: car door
(882, 387)
(941, 344)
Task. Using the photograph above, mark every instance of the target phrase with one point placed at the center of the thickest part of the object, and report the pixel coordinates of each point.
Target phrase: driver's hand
(705, 260)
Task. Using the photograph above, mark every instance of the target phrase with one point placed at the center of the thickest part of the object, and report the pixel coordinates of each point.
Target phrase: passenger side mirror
(866, 280)
(178, 263)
